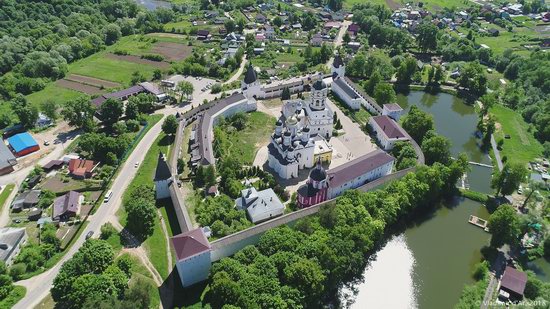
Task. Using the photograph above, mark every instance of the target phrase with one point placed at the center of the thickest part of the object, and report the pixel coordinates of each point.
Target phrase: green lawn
(522, 146)
(360, 116)
(13, 297)
(156, 244)
(99, 66)
(179, 26)
(52, 91)
(5, 194)
(508, 40)
(245, 143)
(139, 270)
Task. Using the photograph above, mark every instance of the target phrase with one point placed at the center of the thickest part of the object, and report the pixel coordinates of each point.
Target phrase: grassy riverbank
(521, 146)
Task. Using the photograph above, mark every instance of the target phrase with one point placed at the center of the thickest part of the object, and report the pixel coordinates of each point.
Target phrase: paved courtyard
(350, 145)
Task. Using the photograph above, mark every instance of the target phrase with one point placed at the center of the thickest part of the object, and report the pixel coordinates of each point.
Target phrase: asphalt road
(39, 286)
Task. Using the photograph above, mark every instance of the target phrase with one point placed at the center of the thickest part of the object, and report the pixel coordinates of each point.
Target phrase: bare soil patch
(136, 59)
(69, 84)
(392, 4)
(172, 51)
(95, 82)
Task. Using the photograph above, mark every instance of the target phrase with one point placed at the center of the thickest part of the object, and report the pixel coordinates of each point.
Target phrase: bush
(216, 88)
(17, 270)
(481, 270)
(107, 230)
(120, 52)
(153, 57)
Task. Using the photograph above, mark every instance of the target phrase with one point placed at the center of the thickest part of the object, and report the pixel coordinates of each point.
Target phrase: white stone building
(387, 131)
(358, 172)
(302, 124)
(163, 178)
(392, 110)
(260, 205)
(193, 252)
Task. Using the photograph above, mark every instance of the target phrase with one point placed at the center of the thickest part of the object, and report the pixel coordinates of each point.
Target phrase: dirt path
(5, 215)
(238, 73)
(141, 254)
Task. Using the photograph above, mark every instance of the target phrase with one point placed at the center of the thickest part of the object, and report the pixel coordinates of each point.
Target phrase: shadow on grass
(174, 295)
(171, 214)
(167, 140)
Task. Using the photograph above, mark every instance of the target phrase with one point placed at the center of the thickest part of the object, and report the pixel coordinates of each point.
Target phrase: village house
(203, 35)
(7, 159)
(316, 39)
(11, 241)
(82, 168)
(67, 206)
(512, 285)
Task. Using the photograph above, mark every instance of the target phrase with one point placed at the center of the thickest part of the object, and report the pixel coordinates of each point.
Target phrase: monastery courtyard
(351, 143)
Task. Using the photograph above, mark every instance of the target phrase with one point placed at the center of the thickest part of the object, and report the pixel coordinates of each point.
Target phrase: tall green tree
(384, 93)
(49, 108)
(474, 78)
(504, 226)
(426, 36)
(111, 110)
(437, 149)
(374, 80)
(170, 125)
(417, 123)
(509, 179)
(79, 112)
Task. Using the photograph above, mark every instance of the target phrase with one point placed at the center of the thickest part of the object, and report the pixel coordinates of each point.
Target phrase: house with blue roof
(22, 144)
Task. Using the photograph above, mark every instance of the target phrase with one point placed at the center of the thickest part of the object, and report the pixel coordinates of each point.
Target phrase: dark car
(89, 234)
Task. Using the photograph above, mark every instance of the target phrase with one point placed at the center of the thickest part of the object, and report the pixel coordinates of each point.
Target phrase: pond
(458, 122)
(428, 264)
(154, 4)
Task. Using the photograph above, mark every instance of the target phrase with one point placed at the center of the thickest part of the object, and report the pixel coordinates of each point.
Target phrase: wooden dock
(479, 222)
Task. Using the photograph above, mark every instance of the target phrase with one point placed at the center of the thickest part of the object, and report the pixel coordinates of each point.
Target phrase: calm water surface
(427, 265)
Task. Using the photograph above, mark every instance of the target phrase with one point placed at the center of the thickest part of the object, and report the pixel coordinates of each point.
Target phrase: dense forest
(303, 266)
(39, 38)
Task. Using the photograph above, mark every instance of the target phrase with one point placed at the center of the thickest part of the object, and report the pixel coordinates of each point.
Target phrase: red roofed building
(193, 253)
(387, 131)
(81, 168)
(322, 186)
(513, 282)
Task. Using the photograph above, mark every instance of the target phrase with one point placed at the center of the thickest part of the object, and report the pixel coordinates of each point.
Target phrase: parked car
(136, 165)
(89, 234)
(46, 143)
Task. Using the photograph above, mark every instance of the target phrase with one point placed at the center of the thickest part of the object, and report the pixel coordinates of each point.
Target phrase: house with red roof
(82, 168)
(193, 252)
(513, 283)
(387, 131)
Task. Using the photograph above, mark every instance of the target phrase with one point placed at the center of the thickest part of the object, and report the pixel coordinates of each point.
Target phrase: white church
(302, 125)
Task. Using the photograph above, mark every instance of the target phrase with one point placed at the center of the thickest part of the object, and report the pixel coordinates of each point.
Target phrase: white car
(136, 165)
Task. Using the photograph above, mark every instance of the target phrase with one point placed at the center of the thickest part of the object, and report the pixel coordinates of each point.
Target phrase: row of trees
(39, 39)
(305, 265)
(92, 278)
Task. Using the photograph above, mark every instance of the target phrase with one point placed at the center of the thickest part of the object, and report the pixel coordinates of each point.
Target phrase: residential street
(39, 286)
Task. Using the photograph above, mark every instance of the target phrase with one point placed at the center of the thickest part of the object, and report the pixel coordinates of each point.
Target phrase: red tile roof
(190, 243)
(389, 126)
(79, 167)
(514, 280)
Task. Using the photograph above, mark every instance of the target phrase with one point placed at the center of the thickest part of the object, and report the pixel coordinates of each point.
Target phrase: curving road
(39, 286)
